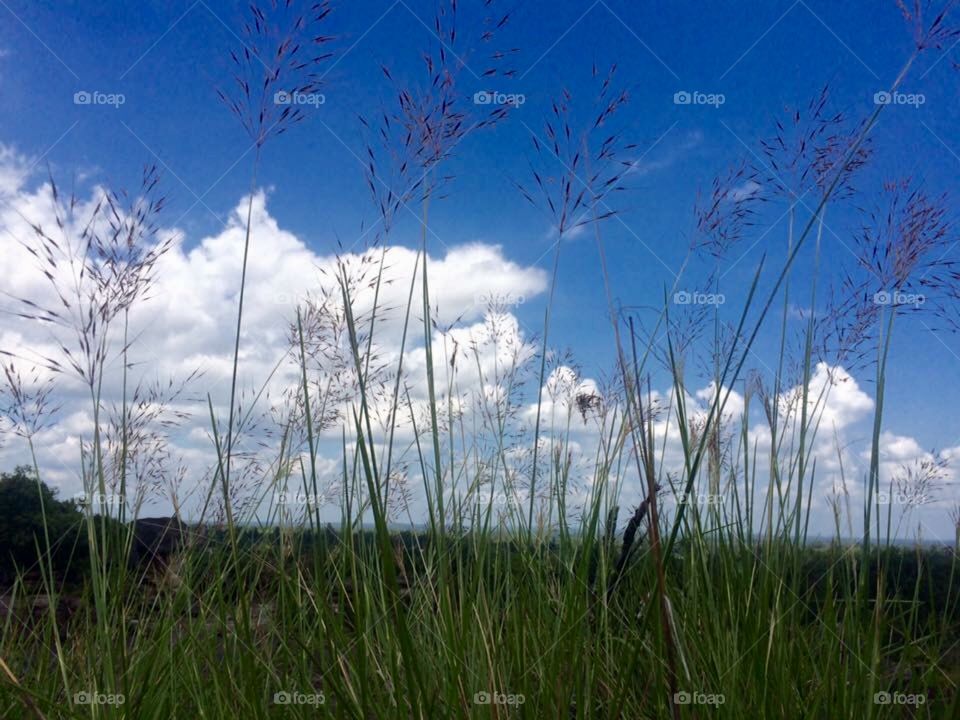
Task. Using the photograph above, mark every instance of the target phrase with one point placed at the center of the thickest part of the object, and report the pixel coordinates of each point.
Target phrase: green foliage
(27, 505)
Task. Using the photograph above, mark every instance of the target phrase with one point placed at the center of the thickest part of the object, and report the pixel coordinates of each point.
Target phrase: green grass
(780, 632)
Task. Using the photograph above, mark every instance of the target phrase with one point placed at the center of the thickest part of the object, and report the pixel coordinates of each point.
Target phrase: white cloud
(189, 321)
(745, 191)
(677, 152)
(14, 169)
(833, 395)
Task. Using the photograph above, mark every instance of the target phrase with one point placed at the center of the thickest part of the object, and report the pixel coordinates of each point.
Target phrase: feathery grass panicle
(805, 153)
(277, 66)
(723, 218)
(426, 120)
(573, 172)
(934, 22)
(27, 406)
(98, 266)
(282, 52)
(906, 262)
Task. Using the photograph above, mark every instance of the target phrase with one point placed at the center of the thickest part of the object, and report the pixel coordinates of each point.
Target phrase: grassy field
(478, 626)
(708, 599)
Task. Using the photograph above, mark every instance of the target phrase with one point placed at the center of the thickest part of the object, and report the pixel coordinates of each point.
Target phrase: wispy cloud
(690, 141)
(745, 191)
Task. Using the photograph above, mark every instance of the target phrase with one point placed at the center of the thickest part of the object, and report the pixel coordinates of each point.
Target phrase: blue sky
(167, 59)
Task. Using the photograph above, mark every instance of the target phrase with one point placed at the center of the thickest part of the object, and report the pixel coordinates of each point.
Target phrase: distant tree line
(24, 503)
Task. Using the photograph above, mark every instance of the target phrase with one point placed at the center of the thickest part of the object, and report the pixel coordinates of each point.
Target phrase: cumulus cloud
(482, 356)
(188, 322)
(14, 169)
(838, 449)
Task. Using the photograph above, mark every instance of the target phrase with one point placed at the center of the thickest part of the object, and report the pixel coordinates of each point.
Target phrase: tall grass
(707, 603)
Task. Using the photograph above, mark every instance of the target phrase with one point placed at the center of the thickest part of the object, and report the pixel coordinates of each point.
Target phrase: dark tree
(24, 500)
